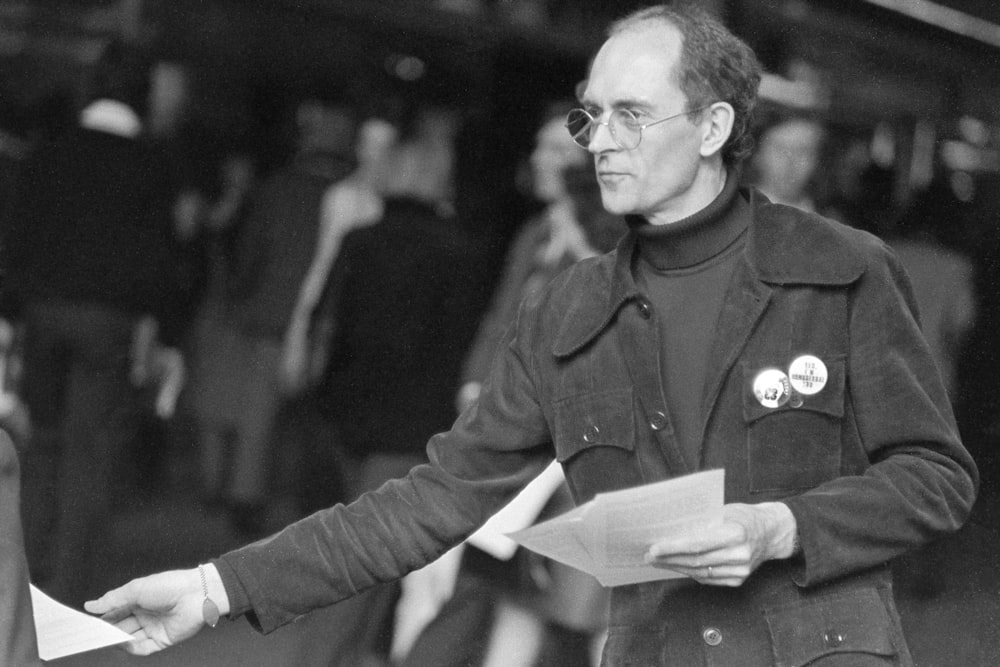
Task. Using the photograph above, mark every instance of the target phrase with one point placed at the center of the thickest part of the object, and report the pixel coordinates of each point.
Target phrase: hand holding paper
(610, 536)
(726, 553)
(159, 610)
(63, 631)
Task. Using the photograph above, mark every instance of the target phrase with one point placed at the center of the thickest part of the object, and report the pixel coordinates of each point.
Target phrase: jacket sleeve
(18, 645)
(922, 482)
(494, 449)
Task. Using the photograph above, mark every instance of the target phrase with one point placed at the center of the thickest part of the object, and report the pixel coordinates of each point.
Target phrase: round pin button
(807, 374)
(771, 388)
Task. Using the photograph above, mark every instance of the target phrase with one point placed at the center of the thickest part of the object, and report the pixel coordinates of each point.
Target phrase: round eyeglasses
(623, 125)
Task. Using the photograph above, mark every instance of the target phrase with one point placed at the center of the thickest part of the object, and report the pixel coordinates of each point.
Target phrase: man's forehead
(635, 65)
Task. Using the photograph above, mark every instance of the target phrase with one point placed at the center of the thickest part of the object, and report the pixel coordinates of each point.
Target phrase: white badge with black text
(771, 388)
(807, 374)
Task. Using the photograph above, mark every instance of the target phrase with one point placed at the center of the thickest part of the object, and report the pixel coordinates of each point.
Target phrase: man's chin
(615, 205)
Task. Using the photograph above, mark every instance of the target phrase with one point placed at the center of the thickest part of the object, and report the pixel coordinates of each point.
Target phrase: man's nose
(601, 138)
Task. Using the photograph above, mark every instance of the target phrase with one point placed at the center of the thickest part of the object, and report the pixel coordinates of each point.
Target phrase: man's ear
(717, 125)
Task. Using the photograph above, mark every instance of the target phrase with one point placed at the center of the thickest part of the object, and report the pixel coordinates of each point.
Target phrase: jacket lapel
(745, 303)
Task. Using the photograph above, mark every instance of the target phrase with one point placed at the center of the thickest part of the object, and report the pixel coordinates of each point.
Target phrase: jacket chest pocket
(844, 629)
(793, 438)
(595, 441)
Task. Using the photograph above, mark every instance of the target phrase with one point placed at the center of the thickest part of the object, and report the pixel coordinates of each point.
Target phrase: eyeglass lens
(624, 130)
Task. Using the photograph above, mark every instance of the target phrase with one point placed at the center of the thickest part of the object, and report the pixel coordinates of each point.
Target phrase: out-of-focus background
(882, 114)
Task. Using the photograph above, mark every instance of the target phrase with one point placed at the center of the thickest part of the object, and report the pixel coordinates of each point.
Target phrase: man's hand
(158, 611)
(729, 552)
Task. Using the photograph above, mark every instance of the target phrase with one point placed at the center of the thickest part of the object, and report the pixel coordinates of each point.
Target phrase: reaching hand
(158, 611)
(727, 553)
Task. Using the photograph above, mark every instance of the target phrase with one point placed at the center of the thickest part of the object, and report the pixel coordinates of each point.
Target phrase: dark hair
(715, 66)
(122, 73)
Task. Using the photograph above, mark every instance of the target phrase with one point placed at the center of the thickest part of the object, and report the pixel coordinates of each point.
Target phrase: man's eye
(630, 118)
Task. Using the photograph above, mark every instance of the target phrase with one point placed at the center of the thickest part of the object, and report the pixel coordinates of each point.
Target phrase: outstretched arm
(163, 609)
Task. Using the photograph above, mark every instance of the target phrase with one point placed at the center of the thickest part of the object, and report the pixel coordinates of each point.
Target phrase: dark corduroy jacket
(871, 466)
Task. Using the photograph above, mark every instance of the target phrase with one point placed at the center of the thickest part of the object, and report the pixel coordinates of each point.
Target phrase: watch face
(210, 612)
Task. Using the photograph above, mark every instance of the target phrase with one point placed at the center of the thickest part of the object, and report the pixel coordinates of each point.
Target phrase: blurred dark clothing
(979, 380)
(92, 224)
(942, 281)
(85, 416)
(400, 296)
(89, 252)
(235, 387)
(18, 645)
(277, 243)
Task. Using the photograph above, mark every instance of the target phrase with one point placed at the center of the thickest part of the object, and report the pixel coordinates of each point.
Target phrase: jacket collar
(784, 246)
(788, 246)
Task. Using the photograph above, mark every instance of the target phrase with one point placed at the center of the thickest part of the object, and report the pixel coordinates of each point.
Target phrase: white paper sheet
(63, 631)
(609, 536)
(517, 514)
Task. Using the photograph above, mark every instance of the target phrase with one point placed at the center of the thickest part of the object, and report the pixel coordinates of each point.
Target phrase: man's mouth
(611, 176)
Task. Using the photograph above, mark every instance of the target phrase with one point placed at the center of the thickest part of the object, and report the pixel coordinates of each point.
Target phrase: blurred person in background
(273, 251)
(979, 364)
(786, 158)
(528, 610)
(397, 312)
(943, 276)
(310, 472)
(92, 270)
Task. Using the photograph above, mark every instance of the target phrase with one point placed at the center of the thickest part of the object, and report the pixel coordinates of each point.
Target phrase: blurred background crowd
(255, 253)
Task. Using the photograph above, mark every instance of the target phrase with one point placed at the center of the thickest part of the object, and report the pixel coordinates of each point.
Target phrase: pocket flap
(851, 622)
(598, 419)
(829, 400)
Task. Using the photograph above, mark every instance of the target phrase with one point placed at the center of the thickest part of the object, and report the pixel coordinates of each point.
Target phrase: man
(723, 332)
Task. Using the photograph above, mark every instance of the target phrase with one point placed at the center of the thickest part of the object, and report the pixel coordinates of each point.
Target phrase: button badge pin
(807, 374)
(772, 388)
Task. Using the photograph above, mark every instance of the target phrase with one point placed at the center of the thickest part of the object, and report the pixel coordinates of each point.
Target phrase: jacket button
(590, 435)
(712, 636)
(644, 309)
(832, 638)
(658, 421)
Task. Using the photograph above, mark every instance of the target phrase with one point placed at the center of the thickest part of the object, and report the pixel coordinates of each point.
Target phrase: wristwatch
(209, 610)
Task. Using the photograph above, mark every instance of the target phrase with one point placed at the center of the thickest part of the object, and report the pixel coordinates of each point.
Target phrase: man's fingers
(113, 605)
(129, 624)
(142, 645)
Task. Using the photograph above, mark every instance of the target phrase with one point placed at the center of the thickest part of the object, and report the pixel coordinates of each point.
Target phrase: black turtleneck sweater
(684, 268)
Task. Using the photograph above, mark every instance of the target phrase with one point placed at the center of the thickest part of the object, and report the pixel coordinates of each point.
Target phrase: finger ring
(709, 571)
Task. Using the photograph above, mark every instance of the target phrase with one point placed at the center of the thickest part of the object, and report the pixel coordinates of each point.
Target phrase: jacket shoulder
(789, 246)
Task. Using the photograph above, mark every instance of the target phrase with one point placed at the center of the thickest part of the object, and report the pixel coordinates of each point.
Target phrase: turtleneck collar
(696, 238)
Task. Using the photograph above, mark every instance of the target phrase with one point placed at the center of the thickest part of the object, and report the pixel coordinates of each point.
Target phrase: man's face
(659, 179)
(787, 157)
(554, 152)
